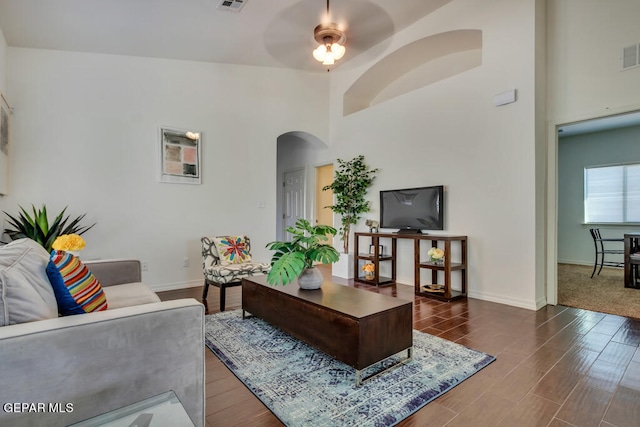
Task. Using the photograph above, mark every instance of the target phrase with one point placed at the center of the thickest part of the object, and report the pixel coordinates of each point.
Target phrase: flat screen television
(412, 210)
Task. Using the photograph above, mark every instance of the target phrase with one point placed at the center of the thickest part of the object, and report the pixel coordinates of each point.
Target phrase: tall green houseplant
(350, 184)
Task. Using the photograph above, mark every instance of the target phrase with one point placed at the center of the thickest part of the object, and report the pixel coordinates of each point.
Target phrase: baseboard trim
(500, 299)
(174, 286)
(567, 261)
(515, 302)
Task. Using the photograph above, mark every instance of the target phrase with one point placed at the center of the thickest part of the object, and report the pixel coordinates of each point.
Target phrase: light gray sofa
(97, 362)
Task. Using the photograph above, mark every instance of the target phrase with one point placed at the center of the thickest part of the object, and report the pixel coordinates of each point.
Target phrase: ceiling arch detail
(418, 64)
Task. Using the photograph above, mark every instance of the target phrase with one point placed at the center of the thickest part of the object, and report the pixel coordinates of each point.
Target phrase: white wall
(85, 133)
(3, 87)
(3, 62)
(586, 38)
(450, 133)
(618, 146)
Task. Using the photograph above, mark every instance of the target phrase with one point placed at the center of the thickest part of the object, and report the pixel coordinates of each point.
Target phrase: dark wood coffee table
(354, 326)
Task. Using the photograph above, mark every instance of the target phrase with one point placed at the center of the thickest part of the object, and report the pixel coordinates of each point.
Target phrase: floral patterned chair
(226, 260)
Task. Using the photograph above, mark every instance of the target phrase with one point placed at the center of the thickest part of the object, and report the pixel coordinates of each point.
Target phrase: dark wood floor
(555, 367)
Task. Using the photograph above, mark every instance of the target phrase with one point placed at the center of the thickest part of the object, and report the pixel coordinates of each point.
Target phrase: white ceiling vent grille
(231, 5)
(631, 56)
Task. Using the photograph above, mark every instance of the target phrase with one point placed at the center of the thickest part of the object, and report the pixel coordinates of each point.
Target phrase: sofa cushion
(129, 294)
(25, 292)
(235, 272)
(77, 290)
(232, 250)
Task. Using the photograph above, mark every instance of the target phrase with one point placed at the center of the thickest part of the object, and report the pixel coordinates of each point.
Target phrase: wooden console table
(444, 291)
(357, 327)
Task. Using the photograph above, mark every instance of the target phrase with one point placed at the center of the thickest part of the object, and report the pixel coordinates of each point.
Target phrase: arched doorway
(298, 154)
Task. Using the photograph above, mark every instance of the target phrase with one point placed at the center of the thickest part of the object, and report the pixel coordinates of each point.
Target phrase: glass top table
(163, 410)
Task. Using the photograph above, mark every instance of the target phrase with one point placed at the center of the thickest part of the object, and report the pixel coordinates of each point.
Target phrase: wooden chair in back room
(602, 247)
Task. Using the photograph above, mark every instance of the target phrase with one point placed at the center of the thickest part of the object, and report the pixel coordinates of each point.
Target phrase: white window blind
(612, 194)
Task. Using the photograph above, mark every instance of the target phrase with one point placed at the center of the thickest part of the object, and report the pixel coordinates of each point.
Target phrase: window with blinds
(612, 194)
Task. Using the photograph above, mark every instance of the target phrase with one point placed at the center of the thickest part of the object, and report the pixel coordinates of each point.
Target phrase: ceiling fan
(331, 39)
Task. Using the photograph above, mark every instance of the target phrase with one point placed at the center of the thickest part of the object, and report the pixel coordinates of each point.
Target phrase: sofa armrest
(102, 361)
(115, 271)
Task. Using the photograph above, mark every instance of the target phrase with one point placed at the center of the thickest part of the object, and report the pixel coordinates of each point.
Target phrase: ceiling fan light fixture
(338, 51)
(320, 53)
(331, 40)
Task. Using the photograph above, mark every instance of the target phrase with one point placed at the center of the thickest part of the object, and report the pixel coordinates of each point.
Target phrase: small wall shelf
(439, 291)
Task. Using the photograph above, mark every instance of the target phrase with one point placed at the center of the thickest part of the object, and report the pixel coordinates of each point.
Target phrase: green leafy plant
(309, 244)
(350, 184)
(37, 227)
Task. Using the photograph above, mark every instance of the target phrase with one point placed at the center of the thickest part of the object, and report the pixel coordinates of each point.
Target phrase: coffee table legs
(360, 380)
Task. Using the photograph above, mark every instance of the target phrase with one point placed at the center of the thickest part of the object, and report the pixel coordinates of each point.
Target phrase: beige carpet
(604, 293)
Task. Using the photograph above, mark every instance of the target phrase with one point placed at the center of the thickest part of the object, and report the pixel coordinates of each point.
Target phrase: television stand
(409, 231)
(440, 287)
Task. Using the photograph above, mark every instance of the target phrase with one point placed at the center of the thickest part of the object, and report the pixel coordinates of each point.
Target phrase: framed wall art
(180, 156)
(372, 250)
(5, 113)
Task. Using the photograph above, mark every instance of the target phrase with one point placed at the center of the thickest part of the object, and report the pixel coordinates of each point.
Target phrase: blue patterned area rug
(305, 387)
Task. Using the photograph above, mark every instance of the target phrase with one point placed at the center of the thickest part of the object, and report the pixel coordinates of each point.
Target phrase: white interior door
(294, 197)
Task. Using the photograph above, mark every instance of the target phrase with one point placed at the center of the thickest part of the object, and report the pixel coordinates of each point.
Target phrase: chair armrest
(103, 361)
(115, 271)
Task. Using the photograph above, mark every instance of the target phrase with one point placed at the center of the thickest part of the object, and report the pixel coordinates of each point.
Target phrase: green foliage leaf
(324, 254)
(286, 268)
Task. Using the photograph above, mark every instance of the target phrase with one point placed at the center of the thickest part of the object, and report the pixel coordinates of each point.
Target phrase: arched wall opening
(297, 154)
(418, 64)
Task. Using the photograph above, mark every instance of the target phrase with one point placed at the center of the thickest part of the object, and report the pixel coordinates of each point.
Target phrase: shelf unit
(375, 258)
(439, 291)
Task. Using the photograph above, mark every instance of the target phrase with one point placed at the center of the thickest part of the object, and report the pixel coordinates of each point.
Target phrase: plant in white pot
(350, 184)
(295, 259)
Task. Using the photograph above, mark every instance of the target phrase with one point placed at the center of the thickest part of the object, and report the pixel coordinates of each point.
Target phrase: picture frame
(372, 250)
(5, 114)
(180, 154)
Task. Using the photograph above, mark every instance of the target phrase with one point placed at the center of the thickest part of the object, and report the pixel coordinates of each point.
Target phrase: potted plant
(295, 259)
(37, 227)
(350, 184)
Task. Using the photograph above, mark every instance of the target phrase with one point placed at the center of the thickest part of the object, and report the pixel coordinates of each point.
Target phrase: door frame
(552, 192)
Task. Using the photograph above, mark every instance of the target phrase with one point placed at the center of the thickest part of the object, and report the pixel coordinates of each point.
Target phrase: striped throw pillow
(77, 290)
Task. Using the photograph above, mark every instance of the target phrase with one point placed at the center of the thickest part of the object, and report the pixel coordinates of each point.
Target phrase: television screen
(412, 209)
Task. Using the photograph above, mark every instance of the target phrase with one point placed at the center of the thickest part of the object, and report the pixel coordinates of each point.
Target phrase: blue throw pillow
(76, 289)
(66, 304)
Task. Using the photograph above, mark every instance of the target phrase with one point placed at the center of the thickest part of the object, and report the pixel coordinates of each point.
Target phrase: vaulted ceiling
(273, 33)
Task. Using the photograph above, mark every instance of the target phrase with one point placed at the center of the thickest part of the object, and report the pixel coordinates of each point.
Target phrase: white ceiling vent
(231, 5)
(631, 56)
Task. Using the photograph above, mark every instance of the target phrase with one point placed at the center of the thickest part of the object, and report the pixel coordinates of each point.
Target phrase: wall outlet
(145, 265)
(185, 262)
